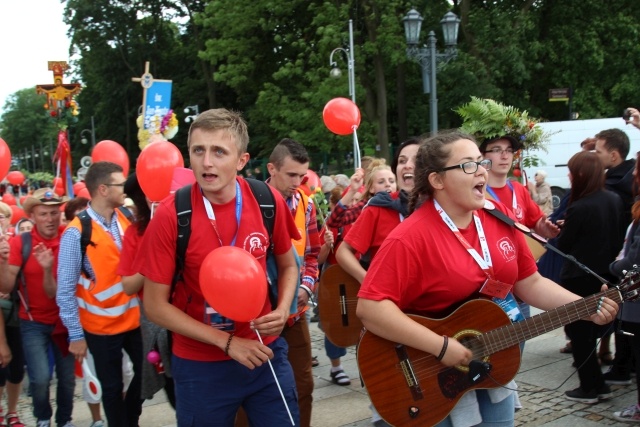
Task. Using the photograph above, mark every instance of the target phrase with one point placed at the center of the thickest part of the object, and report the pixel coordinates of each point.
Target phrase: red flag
(64, 167)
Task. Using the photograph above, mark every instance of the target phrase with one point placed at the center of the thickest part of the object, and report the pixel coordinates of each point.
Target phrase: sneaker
(13, 420)
(615, 377)
(69, 424)
(46, 423)
(579, 395)
(604, 392)
(98, 423)
(630, 414)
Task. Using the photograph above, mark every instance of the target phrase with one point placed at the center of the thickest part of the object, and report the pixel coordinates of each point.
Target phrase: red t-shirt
(527, 211)
(424, 269)
(130, 244)
(43, 309)
(156, 258)
(371, 228)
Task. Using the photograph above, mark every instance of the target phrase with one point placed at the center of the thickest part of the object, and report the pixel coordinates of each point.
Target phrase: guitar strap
(491, 209)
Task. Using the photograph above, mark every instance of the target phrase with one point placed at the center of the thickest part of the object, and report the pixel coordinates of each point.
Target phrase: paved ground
(544, 375)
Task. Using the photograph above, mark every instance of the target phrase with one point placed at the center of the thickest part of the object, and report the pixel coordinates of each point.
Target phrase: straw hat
(42, 196)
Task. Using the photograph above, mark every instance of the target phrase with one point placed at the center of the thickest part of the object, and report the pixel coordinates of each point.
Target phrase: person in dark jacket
(592, 234)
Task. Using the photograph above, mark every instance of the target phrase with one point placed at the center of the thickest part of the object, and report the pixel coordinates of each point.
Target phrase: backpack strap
(267, 202)
(126, 212)
(183, 212)
(15, 292)
(85, 238)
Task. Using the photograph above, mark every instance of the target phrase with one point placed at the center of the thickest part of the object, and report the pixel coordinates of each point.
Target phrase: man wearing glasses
(93, 305)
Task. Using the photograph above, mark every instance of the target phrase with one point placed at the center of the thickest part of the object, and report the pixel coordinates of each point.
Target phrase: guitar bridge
(407, 371)
(343, 305)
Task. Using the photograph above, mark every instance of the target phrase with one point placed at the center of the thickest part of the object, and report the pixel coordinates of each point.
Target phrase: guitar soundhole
(414, 411)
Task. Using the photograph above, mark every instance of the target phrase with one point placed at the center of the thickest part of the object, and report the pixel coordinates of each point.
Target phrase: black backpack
(265, 199)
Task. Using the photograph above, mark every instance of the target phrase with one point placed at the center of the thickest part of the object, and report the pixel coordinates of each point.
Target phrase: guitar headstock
(630, 284)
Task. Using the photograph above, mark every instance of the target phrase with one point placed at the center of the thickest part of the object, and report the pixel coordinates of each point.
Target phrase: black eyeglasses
(500, 151)
(470, 167)
(115, 185)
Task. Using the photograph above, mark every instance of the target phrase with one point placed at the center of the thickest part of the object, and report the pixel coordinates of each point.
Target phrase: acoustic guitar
(409, 387)
(337, 301)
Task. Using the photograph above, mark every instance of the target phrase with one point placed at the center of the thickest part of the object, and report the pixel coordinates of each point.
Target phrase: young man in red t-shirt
(40, 325)
(220, 364)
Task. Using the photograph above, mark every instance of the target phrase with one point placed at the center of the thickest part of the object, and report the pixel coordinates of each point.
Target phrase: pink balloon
(182, 177)
(341, 116)
(234, 283)
(155, 169)
(5, 158)
(111, 151)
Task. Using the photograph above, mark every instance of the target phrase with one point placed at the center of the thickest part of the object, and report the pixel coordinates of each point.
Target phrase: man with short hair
(40, 327)
(218, 363)
(612, 146)
(93, 305)
(288, 165)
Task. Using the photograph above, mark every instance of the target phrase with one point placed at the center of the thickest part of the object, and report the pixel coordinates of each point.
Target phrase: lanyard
(485, 261)
(212, 215)
(514, 202)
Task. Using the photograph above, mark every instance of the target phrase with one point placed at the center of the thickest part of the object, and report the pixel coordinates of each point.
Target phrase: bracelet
(442, 352)
(226, 349)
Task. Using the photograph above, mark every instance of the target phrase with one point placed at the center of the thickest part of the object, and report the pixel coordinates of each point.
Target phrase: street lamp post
(336, 73)
(190, 108)
(92, 131)
(428, 57)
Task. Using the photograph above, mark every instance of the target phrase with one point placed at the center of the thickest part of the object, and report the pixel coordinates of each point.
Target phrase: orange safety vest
(300, 219)
(104, 307)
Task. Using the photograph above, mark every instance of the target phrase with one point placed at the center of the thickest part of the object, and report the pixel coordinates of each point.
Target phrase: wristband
(226, 349)
(442, 352)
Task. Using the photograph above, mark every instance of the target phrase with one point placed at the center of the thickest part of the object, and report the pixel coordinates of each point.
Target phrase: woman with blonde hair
(5, 218)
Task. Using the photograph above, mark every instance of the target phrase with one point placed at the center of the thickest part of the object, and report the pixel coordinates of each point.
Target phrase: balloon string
(357, 164)
(277, 383)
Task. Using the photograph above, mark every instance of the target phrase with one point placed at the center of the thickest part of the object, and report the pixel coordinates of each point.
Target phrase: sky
(32, 33)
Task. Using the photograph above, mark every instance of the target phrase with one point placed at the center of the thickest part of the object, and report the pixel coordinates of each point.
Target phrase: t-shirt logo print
(507, 249)
(256, 244)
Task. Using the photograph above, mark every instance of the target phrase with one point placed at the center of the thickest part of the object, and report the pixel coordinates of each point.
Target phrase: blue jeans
(208, 394)
(107, 356)
(332, 350)
(499, 414)
(36, 341)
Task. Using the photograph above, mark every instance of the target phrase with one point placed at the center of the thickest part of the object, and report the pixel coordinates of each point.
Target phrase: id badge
(216, 320)
(510, 306)
(495, 288)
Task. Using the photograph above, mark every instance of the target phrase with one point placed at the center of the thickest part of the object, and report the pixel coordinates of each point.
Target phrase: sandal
(314, 361)
(13, 420)
(340, 377)
(606, 358)
(567, 349)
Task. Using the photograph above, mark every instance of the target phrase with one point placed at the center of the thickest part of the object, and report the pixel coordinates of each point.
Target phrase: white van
(565, 142)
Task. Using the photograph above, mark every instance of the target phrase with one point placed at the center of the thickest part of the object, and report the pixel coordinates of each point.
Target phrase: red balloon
(5, 158)
(84, 193)
(341, 116)
(182, 177)
(57, 182)
(9, 199)
(78, 186)
(234, 283)
(155, 169)
(111, 151)
(16, 214)
(59, 190)
(15, 177)
(313, 180)
(22, 199)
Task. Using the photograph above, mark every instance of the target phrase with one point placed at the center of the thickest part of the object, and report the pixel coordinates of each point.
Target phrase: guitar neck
(510, 335)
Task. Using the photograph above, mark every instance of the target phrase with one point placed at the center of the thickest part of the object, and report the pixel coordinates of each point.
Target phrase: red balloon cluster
(78, 186)
(155, 169)
(58, 187)
(111, 151)
(233, 283)
(341, 116)
(17, 214)
(9, 199)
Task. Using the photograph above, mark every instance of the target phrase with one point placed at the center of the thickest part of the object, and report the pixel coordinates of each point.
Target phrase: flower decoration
(487, 119)
(160, 129)
(322, 205)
